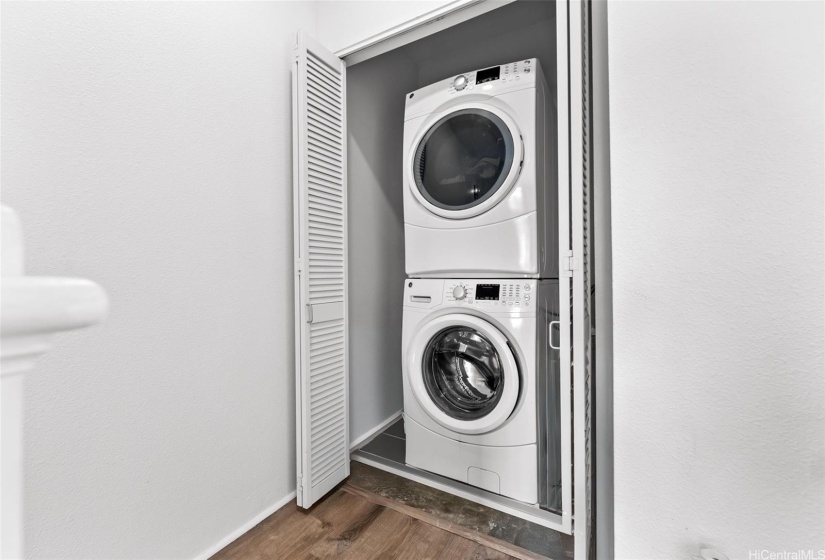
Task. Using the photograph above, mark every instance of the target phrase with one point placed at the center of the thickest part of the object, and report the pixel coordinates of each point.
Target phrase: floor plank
(507, 548)
(346, 526)
(459, 515)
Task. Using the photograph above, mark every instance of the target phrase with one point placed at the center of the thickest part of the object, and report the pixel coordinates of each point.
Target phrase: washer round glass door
(464, 374)
(467, 161)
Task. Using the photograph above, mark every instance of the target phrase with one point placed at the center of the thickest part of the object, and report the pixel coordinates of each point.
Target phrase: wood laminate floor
(512, 535)
(345, 525)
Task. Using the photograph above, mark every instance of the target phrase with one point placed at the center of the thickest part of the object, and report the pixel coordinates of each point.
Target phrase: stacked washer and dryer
(481, 377)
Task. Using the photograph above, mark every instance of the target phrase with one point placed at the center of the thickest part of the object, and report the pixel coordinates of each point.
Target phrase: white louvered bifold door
(579, 267)
(320, 201)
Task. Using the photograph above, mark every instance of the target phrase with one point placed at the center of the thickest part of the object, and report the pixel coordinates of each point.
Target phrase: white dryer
(481, 402)
(480, 175)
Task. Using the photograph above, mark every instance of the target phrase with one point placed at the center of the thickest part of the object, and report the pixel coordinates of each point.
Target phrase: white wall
(717, 142)
(147, 146)
(342, 24)
(513, 32)
(375, 120)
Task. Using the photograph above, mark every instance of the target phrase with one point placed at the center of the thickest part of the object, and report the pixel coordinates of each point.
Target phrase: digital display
(488, 75)
(487, 291)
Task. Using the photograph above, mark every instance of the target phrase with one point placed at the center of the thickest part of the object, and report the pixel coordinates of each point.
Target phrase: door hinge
(569, 264)
(309, 313)
(299, 265)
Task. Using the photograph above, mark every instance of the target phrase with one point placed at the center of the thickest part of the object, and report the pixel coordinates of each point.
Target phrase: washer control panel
(491, 294)
(490, 78)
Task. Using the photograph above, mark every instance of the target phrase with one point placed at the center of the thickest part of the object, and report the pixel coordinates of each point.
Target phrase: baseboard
(237, 533)
(365, 438)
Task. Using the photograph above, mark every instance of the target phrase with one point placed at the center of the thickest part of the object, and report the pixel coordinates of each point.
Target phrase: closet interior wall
(376, 90)
(375, 123)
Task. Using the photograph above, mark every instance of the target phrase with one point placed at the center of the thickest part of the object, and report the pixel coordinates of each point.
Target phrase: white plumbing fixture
(32, 310)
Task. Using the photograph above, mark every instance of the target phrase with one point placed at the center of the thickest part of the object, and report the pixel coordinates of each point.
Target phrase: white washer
(480, 175)
(481, 384)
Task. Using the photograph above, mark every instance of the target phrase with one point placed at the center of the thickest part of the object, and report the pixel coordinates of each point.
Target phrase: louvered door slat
(315, 146)
(322, 142)
(322, 124)
(324, 337)
(325, 372)
(329, 138)
(334, 431)
(316, 74)
(318, 102)
(324, 237)
(318, 71)
(322, 183)
(323, 118)
(323, 156)
(321, 249)
(322, 242)
(326, 166)
(323, 208)
(323, 383)
(321, 84)
(319, 188)
(322, 334)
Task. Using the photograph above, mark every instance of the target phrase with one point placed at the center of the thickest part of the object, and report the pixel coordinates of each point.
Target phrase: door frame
(588, 17)
(434, 21)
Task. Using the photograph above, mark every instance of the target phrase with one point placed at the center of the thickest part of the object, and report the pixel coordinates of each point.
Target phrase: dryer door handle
(550, 335)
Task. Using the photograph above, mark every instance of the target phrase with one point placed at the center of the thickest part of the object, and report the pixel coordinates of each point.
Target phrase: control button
(460, 82)
(459, 292)
(527, 70)
(526, 298)
(527, 287)
(510, 303)
(517, 304)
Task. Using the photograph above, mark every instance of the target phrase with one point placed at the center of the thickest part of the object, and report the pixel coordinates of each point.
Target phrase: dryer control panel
(491, 294)
(474, 85)
(493, 77)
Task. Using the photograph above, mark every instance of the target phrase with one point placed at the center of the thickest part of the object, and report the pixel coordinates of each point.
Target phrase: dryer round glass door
(464, 374)
(466, 161)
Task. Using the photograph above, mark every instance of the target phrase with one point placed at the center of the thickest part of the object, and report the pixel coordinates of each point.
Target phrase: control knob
(460, 82)
(459, 292)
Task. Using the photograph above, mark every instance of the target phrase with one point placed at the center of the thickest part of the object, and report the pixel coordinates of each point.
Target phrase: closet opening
(376, 94)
